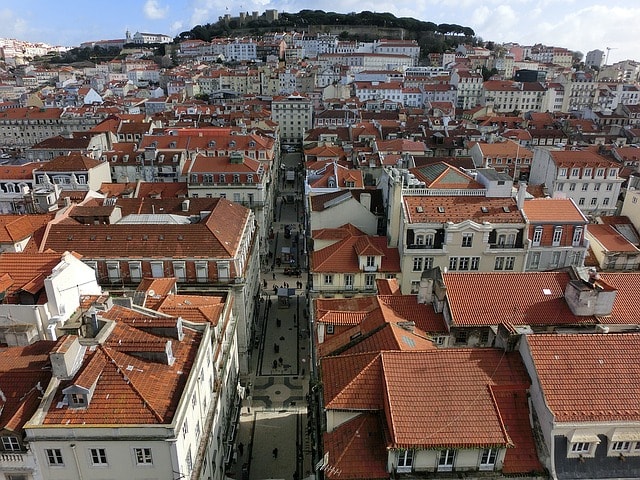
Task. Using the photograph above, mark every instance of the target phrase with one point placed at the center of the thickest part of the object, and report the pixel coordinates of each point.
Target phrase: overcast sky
(581, 25)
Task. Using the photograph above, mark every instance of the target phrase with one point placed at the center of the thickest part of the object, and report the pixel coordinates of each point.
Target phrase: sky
(579, 25)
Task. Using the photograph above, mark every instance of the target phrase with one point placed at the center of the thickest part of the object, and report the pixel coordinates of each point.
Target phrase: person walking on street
(241, 449)
(275, 452)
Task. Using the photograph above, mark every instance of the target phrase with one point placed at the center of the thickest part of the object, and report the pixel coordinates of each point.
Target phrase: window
(348, 282)
(613, 172)
(445, 460)
(575, 172)
(609, 187)
(596, 187)
(415, 286)
(488, 459)
(453, 263)
(467, 239)
(202, 271)
(594, 201)
(113, 271)
(135, 271)
(560, 187)
(179, 271)
(77, 400)
(499, 263)
(98, 457)
(369, 281)
(577, 236)
(328, 279)
(509, 262)
(475, 263)
(600, 172)
(563, 172)
(371, 261)
(419, 240)
(10, 444)
(405, 461)
(572, 187)
(428, 263)
(605, 201)
(557, 236)
(54, 457)
(555, 259)
(620, 446)
(580, 447)
(585, 187)
(330, 329)
(429, 239)
(588, 172)
(463, 263)
(581, 201)
(189, 461)
(417, 264)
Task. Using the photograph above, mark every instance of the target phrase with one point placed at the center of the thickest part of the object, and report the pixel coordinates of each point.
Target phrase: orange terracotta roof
(610, 239)
(74, 162)
(625, 306)
(23, 370)
(553, 210)
(427, 409)
(589, 378)
(440, 209)
(343, 255)
(130, 389)
(443, 175)
(533, 298)
(194, 308)
(27, 270)
(357, 449)
(569, 158)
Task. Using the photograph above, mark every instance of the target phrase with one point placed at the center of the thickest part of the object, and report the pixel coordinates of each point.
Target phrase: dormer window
(173, 144)
(236, 178)
(10, 444)
(77, 400)
(222, 178)
(211, 144)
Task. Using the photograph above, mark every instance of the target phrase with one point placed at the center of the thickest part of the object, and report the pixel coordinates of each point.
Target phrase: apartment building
(294, 115)
(589, 179)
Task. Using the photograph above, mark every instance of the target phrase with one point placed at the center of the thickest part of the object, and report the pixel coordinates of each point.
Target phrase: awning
(584, 437)
(626, 436)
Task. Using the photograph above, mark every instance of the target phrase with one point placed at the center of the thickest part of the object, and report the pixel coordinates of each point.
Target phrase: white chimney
(522, 193)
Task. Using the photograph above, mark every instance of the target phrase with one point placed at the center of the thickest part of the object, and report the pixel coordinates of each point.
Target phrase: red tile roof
(610, 239)
(553, 210)
(423, 407)
(626, 303)
(130, 389)
(27, 269)
(24, 373)
(357, 449)
(589, 378)
(534, 298)
(343, 255)
(440, 209)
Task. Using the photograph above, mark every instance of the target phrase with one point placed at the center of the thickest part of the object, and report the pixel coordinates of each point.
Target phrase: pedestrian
(241, 449)
(274, 275)
(275, 452)
(264, 283)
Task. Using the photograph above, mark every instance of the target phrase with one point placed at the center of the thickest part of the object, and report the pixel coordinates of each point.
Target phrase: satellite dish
(151, 293)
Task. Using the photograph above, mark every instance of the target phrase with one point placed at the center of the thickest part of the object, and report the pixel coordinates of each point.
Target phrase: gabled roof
(28, 270)
(130, 389)
(589, 378)
(423, 408)
(442, 175)
(553, 210)
(457, 209)
(73, 162)
(532, 298)
(343, 255)
(194, 308)
(24, 375)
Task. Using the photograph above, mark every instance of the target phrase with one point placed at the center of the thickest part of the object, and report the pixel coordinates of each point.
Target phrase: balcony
(506, 246)
(370, 268)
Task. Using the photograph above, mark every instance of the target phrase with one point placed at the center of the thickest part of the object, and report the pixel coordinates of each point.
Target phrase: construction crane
(606, 60)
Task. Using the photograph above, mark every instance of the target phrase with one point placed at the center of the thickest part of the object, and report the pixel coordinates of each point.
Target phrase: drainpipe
(75, 457)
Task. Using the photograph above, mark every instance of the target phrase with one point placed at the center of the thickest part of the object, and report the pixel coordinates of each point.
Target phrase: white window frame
(537, 236)
(348, 281)
(488, 458)
(142, 456)
(577, 236)
(467, 240)
(446, 459)
(417, 264)
(202, 272)
(180, 271)
(135, 267)
(579, 448)
(328, 279)
(54, 457)
(404, 460)
(10, 443)
(113, 271)
(98, 457)
(557, 236)
(369, 281)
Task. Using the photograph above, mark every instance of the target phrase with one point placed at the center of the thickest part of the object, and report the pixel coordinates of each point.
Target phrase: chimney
(522, 193)
(66, 359)
(365, 200)
(185, 205)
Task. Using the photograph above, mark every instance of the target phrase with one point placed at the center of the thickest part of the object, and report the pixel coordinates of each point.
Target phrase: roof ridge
(135, 389)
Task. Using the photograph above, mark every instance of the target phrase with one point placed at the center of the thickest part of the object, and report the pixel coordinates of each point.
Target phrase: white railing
(442, 192)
